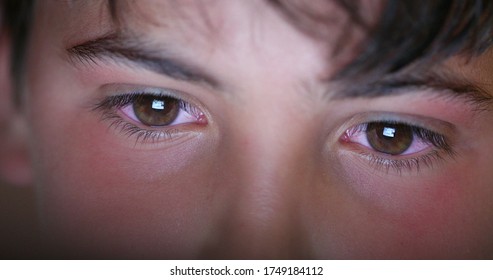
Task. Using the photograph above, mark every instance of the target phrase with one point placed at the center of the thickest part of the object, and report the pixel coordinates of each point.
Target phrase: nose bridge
(271, 173)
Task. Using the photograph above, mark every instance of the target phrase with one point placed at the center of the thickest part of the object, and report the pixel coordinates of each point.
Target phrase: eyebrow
(120, 48)
(441, 82)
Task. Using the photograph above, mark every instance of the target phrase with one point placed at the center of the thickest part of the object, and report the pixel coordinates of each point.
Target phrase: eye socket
(391, 138)
(159, 111)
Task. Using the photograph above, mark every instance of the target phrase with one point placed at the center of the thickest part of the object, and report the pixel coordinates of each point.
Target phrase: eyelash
(110, 105)
(378, 160)
(382, 161)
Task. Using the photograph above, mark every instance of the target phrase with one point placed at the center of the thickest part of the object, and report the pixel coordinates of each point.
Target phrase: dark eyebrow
(440, 82)
(119, 48)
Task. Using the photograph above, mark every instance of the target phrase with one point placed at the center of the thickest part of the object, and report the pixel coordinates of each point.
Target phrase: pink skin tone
(267, 176)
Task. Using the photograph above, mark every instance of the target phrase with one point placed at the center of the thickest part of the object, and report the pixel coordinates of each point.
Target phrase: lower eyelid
(141, 135)
(121, 121)
(410, 164)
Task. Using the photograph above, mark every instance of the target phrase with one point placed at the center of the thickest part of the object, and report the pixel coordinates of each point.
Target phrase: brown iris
(388, 138)
(156, 111)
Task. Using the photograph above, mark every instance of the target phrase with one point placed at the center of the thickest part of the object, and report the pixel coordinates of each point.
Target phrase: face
(213, 130)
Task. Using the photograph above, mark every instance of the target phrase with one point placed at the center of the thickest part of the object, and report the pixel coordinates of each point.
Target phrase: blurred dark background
(19, 235)
(18, 224)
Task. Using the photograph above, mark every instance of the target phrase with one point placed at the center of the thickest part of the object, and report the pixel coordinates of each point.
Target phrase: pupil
(393, 139)
(156, 111)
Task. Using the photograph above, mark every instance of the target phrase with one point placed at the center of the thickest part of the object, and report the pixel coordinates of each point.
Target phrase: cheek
(433, 213)
(100, 189)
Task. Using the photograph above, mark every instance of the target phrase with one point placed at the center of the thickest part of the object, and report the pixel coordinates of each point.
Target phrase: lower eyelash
(382, 163)
(141, 135)
(399, 165)
(109, 105)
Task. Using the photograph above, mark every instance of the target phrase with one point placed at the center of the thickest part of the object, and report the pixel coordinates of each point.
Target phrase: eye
(156, 111)
(150, 117)
(399, 146)
(393, 138)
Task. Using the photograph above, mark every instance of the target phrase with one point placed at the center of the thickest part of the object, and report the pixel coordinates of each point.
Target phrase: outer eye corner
(202, 118)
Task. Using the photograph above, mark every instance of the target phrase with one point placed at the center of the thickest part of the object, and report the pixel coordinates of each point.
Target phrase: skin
(267, 176)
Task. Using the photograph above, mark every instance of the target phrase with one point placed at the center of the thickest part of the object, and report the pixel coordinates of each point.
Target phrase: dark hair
(16, 21)
(408, 31)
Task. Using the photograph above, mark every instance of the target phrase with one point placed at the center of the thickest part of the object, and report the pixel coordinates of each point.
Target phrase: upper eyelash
(120, 101)
(436, 139)
(408, 163)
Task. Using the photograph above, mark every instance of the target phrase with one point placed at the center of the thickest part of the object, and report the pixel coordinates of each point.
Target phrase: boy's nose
(261, 196)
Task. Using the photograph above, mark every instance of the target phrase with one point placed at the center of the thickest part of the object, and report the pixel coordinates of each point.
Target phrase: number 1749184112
(283, 270)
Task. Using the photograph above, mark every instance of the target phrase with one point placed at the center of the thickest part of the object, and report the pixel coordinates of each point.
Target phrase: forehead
(209, 25)
(330, 18)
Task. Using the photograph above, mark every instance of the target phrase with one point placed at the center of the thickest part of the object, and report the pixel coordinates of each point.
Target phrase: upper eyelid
(362, 127)
(127, 98)
(432, 124)
(118, 92)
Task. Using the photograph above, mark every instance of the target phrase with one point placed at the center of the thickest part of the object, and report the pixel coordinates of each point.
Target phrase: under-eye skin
(150, 116)
(397, 145)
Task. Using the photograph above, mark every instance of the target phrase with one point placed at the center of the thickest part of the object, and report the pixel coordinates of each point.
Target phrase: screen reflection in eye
(393, 139)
